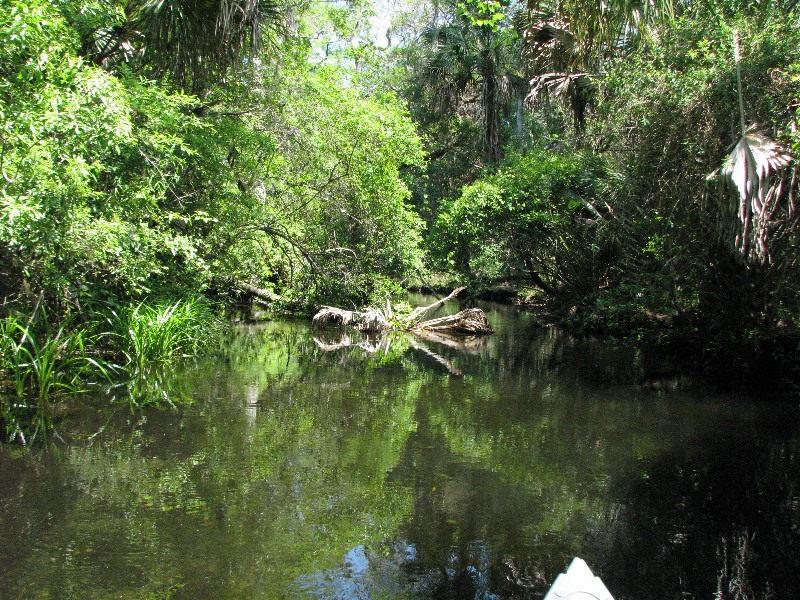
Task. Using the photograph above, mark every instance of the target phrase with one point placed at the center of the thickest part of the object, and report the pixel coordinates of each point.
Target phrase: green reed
(150, 336)
(40, 363)
(58, 363)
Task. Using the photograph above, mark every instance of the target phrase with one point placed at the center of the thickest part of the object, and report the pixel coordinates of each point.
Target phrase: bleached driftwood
(417, 313)
(373, 321)
(370, 320)
(471, 321)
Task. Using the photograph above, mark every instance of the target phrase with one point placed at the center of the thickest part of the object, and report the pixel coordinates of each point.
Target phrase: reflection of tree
(294, 461)
(420, 346)
(526, 470)
(518, 353)
(199, 500)
(726, 526)
(494, 485)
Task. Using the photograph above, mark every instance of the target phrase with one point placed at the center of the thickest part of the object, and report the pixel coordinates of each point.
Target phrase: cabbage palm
(567, 41)
(474, 71)
(193, 43)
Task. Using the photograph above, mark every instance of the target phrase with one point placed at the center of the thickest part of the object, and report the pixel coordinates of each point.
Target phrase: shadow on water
(311, 466)
(719, 519)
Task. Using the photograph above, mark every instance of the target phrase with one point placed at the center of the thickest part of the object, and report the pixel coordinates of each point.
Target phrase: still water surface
(410, 468)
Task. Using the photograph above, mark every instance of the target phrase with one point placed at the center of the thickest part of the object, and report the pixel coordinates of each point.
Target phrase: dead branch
(471, 320)
(421, 310)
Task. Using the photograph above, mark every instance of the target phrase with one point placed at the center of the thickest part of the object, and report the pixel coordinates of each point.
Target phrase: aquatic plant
(39, 362)
(149, 336)
(12, 369)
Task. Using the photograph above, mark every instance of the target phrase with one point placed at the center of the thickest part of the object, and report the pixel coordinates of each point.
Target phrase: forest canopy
(631, 166)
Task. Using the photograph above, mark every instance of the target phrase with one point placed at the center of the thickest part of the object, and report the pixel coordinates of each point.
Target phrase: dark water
(410, 468)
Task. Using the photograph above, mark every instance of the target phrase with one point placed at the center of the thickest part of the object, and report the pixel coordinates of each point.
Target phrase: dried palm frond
(373, 321)
(752, 173)
(749, 167)
(576, 89)
(370, 320)
(752, 181)
(330, 316)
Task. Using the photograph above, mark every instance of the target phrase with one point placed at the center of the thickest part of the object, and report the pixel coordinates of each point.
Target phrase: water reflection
(408, 468)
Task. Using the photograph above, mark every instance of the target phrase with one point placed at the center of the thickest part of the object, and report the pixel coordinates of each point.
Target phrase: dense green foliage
(649, 187)
(632, 162)
(90, 170)
(116, 187)
(533, 220)
(668, 121)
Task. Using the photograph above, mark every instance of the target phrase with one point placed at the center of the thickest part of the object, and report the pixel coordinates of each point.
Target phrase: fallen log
(330, 316)
(266, 297)
(370, 320)
(471, 320)
(421, 310)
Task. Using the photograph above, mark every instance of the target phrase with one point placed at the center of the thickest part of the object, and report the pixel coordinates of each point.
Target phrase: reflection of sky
(363, 575)
(390, 573)
(356, 560)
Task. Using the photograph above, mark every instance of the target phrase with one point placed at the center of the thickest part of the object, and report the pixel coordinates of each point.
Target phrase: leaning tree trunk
(472, 321)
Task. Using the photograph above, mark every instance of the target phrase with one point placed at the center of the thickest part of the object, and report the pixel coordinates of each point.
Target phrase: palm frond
(749, 166)
(474, 73)
(578, 90)
(572, 38)
(193, 43)
(751, 175)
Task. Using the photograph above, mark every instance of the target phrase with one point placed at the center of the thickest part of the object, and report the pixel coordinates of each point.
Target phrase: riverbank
(765, 360)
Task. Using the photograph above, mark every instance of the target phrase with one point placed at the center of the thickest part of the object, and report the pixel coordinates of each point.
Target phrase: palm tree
(192, 43)
(474, 71)
(566, 42)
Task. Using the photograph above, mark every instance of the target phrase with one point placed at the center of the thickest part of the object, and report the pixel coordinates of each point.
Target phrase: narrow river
(303, 468)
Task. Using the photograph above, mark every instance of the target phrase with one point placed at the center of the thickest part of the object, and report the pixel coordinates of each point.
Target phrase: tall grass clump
(39, 361)
(150, 336)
